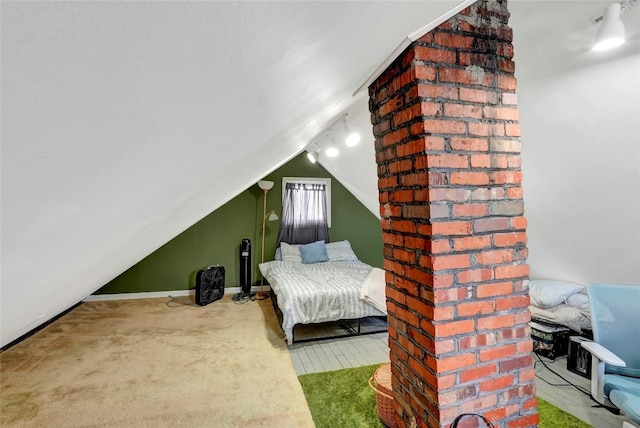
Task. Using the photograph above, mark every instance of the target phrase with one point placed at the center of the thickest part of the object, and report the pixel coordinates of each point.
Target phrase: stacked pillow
(316, 252)
(547, 293)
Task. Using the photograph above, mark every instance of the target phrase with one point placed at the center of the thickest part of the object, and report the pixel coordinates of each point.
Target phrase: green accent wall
(216, 238)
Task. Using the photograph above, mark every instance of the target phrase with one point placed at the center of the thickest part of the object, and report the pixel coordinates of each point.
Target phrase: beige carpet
(140, 363)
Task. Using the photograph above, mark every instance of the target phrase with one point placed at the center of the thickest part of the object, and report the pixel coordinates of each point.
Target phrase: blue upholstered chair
(615, 368)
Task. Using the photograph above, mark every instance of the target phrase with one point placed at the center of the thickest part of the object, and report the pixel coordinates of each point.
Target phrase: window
(306, 208)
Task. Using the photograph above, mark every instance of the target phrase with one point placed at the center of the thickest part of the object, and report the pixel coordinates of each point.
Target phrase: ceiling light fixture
(611, 33)
(352, 138)
(331, 151)
(312, 153)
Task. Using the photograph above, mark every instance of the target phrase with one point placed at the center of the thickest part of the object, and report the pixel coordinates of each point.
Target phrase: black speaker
(245, 265)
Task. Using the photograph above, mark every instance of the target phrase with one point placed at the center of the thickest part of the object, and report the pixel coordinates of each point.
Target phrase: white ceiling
(124, 123)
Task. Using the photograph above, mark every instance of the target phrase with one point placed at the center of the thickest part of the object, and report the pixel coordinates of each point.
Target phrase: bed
(318, 283)
(560, 302)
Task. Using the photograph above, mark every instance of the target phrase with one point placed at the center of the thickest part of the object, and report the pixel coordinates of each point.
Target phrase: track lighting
(611, 33)
(350, 139)
(331, 151)
(312, 153)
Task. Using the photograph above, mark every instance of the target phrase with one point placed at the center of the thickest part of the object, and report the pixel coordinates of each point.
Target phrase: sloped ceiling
(123, 123)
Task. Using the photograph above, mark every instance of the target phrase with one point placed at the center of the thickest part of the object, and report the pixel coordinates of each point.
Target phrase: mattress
(318, 292)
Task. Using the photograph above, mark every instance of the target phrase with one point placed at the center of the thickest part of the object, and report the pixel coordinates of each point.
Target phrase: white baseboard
(156, 294)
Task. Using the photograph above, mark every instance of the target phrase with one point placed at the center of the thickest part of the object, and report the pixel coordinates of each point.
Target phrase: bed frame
(350, 330)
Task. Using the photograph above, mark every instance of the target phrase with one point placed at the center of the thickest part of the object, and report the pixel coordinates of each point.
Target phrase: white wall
(579, 113)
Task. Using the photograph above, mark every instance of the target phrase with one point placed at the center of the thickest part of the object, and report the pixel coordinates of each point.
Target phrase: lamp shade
(611, 31)
(265, 185)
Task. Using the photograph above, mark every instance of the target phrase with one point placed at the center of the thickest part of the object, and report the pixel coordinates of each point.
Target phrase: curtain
(304, 214)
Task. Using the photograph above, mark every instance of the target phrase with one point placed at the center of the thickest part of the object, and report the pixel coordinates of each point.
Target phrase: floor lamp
(271, 216)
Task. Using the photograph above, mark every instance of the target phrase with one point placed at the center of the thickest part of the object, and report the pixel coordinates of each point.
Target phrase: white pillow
(290, 253)
(547, 293)
(340, 250)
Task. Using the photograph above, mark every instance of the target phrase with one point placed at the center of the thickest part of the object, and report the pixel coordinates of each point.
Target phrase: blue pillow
(314, 252)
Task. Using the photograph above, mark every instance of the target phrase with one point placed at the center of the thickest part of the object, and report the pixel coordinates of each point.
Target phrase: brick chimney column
(446, 126)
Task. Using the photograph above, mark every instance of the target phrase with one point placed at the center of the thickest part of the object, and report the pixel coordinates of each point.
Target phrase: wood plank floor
(335, 354)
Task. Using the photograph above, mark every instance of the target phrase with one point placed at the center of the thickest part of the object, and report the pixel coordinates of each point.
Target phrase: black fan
(209, 285)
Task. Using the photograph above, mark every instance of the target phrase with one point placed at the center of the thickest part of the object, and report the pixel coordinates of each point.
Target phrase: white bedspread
(318, 292)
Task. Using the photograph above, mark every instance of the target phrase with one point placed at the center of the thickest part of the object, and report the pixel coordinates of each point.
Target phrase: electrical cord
(176, 304)
(568, 383)
(242, 298)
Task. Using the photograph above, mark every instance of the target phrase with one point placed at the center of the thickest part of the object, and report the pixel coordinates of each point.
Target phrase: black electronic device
(245, 266)
(209, 284)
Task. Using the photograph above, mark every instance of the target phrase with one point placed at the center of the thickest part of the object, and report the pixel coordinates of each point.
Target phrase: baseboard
(157, 294)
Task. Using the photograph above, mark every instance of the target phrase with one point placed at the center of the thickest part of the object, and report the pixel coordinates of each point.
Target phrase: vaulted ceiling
(123, 123)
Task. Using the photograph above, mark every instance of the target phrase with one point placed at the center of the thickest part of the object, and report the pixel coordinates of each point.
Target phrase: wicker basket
(380, 382)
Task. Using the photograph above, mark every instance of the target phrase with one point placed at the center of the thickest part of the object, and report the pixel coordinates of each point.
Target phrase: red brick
(470, 178)
(490, 224)
(468, 309)
(506, 177)
(394, 137)
(401, 196)
(403, 226)
(471, 243)
(454, 328)
(479, 372)
(512, 130)
(525, 361)
(474, 275)
(462, 110)
(451, 228)
(515, 271)
(502, 113)
(494, 289)
(453, 40)
(512, 302)
(387, 182)
(477, 341)
(399, 166)
(510, 239)
(483, 402)
(469, 144)
(487, 194)
(481, 161)
(497, 353)
(435, 55)
(392, 239)
(496, 384)
(390, 106)
(404, 256)
(456, 261)
(443, 126)
(446, 194)
(494, 257)
(507, 83)
(470, 210)
(451, 295)
(478, 96)
(437, 91)
(447, 161)
(443, 365)
(495, 322)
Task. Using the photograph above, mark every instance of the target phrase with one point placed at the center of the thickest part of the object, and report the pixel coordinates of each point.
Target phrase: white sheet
(373, 289)
(318, 292)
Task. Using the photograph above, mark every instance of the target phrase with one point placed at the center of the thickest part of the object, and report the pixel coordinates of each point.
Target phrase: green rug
(343, 399)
